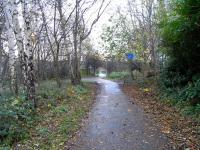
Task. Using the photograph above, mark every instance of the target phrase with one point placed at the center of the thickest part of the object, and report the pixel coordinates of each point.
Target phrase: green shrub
(185, 95)
(191, 93)
(173, 84)
(16, 115)
(192, 110)
(118, 75)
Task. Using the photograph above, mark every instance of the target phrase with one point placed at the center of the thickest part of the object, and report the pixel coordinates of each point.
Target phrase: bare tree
(57, 35)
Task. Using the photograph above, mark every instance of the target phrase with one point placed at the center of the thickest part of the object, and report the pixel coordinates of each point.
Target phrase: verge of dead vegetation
(183, 132)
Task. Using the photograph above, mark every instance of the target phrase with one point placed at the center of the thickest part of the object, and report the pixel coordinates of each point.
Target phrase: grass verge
(58, 116)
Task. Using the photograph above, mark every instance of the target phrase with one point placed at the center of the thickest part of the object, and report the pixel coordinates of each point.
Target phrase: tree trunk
(57, 74)
(76, 77)
(8, 10)
(28, 55)
(19, 40)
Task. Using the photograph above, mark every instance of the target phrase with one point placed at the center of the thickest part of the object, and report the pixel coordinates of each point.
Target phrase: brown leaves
(182, 131)
(165, 129)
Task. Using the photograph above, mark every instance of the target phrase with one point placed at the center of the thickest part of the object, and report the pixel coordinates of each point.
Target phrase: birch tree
(1, 41)
(28, 53)
(19, 40)
(2, 20)
(8, 10)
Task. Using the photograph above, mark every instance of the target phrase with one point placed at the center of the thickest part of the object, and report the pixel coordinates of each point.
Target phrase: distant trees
(93, 61)
(134, 31)
(117, 38)
(81, 31)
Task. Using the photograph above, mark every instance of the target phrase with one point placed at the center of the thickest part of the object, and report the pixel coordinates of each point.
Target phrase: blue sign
(130, 56)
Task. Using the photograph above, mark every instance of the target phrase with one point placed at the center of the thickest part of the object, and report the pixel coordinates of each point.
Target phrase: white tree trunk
(28, 54)
(8, 9)
(19, 39)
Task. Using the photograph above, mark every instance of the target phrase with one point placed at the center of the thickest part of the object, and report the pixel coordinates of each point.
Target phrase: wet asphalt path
(115, 123)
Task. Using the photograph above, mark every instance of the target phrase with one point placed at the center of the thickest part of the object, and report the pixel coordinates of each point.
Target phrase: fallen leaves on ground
(183, 132)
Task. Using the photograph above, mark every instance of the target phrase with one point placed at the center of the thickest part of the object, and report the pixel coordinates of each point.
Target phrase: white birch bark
(17, 28)
(28, 53)
(19, 39)
(7, 8)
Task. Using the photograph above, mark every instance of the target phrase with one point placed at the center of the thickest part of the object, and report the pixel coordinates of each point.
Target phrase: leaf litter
(183, 132)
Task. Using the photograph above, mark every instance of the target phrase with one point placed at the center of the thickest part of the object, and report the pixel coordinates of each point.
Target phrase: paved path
(115, 123)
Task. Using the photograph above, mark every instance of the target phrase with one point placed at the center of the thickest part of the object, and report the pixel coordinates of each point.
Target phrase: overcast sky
(97, 30)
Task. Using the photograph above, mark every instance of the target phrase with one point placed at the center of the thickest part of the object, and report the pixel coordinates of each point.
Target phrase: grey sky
(97, 30)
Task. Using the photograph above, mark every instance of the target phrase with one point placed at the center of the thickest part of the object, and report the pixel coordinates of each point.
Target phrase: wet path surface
(115, 123)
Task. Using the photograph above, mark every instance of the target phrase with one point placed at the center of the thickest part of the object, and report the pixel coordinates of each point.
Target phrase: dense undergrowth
(184, 97)
(56, 118)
